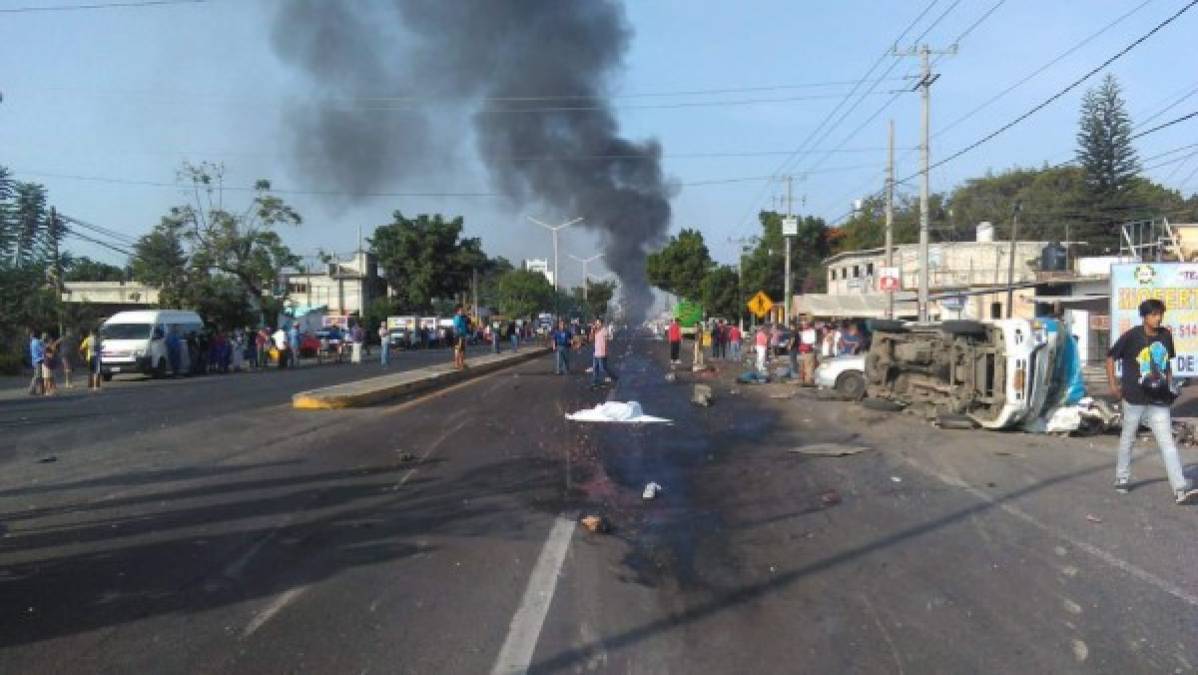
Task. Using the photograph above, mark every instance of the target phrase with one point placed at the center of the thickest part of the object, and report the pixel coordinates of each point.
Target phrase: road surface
(438, 536)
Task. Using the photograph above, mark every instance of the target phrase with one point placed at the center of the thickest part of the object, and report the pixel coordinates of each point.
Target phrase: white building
(116, 293)
(344, 287)
(539, 265)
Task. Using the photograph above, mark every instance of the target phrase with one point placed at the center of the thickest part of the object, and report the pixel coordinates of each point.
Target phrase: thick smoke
(498, 58)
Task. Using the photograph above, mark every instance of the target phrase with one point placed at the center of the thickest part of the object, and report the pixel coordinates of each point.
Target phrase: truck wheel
(888, 326)
(964, 327)
(851, 385)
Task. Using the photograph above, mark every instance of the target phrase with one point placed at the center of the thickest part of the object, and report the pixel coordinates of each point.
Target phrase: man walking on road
(460, 326)
(808, 337)
(293, 342)
(674, 334)
(89, 349)
(37, 356)
(561, 348)
(384, 344)
(1145, 356)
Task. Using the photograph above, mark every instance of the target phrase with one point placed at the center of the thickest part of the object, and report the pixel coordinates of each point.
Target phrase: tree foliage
(84, 268)
(426, 258)
(524, 293)
(720, 293)
(1104, 148)
(765, 263)
(680, 266)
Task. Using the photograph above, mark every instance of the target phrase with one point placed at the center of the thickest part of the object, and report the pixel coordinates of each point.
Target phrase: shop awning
(852, 306)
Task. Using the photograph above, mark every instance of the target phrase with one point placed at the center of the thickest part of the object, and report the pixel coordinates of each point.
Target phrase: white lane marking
(1105, 556)
(516, 654)
(275, 606)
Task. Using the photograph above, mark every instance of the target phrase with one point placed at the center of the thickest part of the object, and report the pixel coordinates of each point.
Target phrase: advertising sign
(790, 226)
(1176, 285)
(888, 279)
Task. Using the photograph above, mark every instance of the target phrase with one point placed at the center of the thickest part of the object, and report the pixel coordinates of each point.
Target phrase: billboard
(1176, 285)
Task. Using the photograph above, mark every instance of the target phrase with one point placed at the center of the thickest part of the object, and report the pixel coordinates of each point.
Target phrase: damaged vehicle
(999, 374)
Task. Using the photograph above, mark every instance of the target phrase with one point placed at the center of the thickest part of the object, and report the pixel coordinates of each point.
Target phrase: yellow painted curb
(381, 388)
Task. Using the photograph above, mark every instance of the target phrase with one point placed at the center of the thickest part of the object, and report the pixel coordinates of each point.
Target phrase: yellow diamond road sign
(760, 304)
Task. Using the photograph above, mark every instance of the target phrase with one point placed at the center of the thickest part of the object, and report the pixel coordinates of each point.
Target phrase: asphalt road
(437, 536)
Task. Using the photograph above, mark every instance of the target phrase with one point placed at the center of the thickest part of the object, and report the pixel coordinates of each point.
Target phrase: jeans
(494, 344)
(515, 342)
(761, 352)
(598, 365)
(562, 361)
(793, 358)
(735, 350)
(1157, 419)
(386, 353)
(36, 385)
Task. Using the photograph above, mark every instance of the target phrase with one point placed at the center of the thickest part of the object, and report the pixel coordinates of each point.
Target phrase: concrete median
(375, 390)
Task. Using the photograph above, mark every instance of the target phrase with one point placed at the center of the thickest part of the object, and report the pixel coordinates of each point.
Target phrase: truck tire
(964, 327)
(851, 385)
(888, 326)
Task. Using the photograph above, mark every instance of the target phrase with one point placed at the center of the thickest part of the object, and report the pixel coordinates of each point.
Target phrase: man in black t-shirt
(1145, 354)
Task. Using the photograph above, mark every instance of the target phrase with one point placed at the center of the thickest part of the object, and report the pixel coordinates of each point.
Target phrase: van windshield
(125, 331)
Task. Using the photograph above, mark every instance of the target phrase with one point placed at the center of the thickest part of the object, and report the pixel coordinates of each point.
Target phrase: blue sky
(127, 94)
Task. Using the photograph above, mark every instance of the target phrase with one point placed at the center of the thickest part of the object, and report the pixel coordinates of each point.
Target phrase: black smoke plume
(532, 77)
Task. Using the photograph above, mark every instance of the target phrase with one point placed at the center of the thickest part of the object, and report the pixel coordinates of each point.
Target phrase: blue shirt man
(37, 355)
(562, 338)
(37, 351)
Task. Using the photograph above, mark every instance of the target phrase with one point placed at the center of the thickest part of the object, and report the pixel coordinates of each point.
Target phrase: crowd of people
(64, 354)
(805, 343)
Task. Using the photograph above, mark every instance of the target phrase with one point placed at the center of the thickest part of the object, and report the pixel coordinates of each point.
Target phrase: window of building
(293, 287)
(996, 310)
(856, 271)
(869, 269)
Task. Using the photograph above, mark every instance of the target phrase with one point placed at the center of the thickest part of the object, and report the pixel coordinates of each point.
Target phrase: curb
(386, 387)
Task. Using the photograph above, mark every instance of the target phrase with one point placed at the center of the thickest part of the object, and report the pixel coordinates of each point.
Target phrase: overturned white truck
(999, 374)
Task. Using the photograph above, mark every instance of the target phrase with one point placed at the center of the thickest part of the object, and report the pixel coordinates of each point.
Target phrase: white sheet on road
(615, 411)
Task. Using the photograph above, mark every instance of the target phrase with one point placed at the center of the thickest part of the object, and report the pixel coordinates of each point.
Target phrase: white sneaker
(1187, 497)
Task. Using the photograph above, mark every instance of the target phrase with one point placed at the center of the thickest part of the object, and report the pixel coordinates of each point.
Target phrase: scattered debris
(671, 377)
(896, 479)
(596, 524)
(651, 491)
(615, 411)
(1008, 453)
(734, 392)
(405, 456)
(702, 395)
(783, 395)
(752, 377)
(1185, 433)
(830, 498)
(47, 460)
(829, 449)
(1093, 518)
(955, 422)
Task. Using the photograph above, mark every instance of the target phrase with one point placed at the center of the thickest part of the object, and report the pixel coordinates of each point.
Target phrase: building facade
(342, 287)
(539, 265)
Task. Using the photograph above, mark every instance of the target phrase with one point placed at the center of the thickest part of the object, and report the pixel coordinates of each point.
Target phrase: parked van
(135, 342)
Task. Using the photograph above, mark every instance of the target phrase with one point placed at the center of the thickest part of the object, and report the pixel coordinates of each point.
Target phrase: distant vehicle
(135, 342)
(544, 323)
(400, 330)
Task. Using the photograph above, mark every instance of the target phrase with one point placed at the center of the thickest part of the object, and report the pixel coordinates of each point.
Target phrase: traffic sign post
(760, 304)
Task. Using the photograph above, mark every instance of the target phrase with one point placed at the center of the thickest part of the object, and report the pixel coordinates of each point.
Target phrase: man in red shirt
(674, 334)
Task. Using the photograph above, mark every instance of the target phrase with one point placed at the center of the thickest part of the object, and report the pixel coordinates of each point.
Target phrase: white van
(134, 342)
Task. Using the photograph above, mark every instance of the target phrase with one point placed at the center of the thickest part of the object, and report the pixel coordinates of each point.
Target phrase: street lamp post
(555, 229)
(586, 278)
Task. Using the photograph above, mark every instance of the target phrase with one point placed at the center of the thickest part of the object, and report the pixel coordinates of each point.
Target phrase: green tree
(160, 260)
(598, 297)
(1104, 148)
(680, 266)
(720, 293)
(377, 312)
(523, 293)
(426, 258)
(84, 268)
(765, 263)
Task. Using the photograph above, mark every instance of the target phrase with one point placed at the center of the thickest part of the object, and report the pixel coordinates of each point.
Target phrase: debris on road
(48, 460)
(896, 479)
(671, 377)
(829, 449)
(651, 491)
(783, 395)
(830, 498)
(702, 395)
(1093, 518)
(405, 456)
(595, 524)
(615, 411)
(752, 377)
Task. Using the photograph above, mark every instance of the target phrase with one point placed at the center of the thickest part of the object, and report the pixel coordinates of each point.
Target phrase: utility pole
(786, 235)
(474, 291)
(55, 236)
(925, 87)
(890, 219)
(555, 229)
(1011, 259)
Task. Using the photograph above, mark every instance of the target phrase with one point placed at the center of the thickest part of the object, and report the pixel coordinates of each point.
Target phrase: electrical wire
(100, 5)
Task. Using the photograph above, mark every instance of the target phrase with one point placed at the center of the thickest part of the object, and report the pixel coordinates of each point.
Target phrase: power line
(1165, 125)
(807, 141)
(100, 5)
